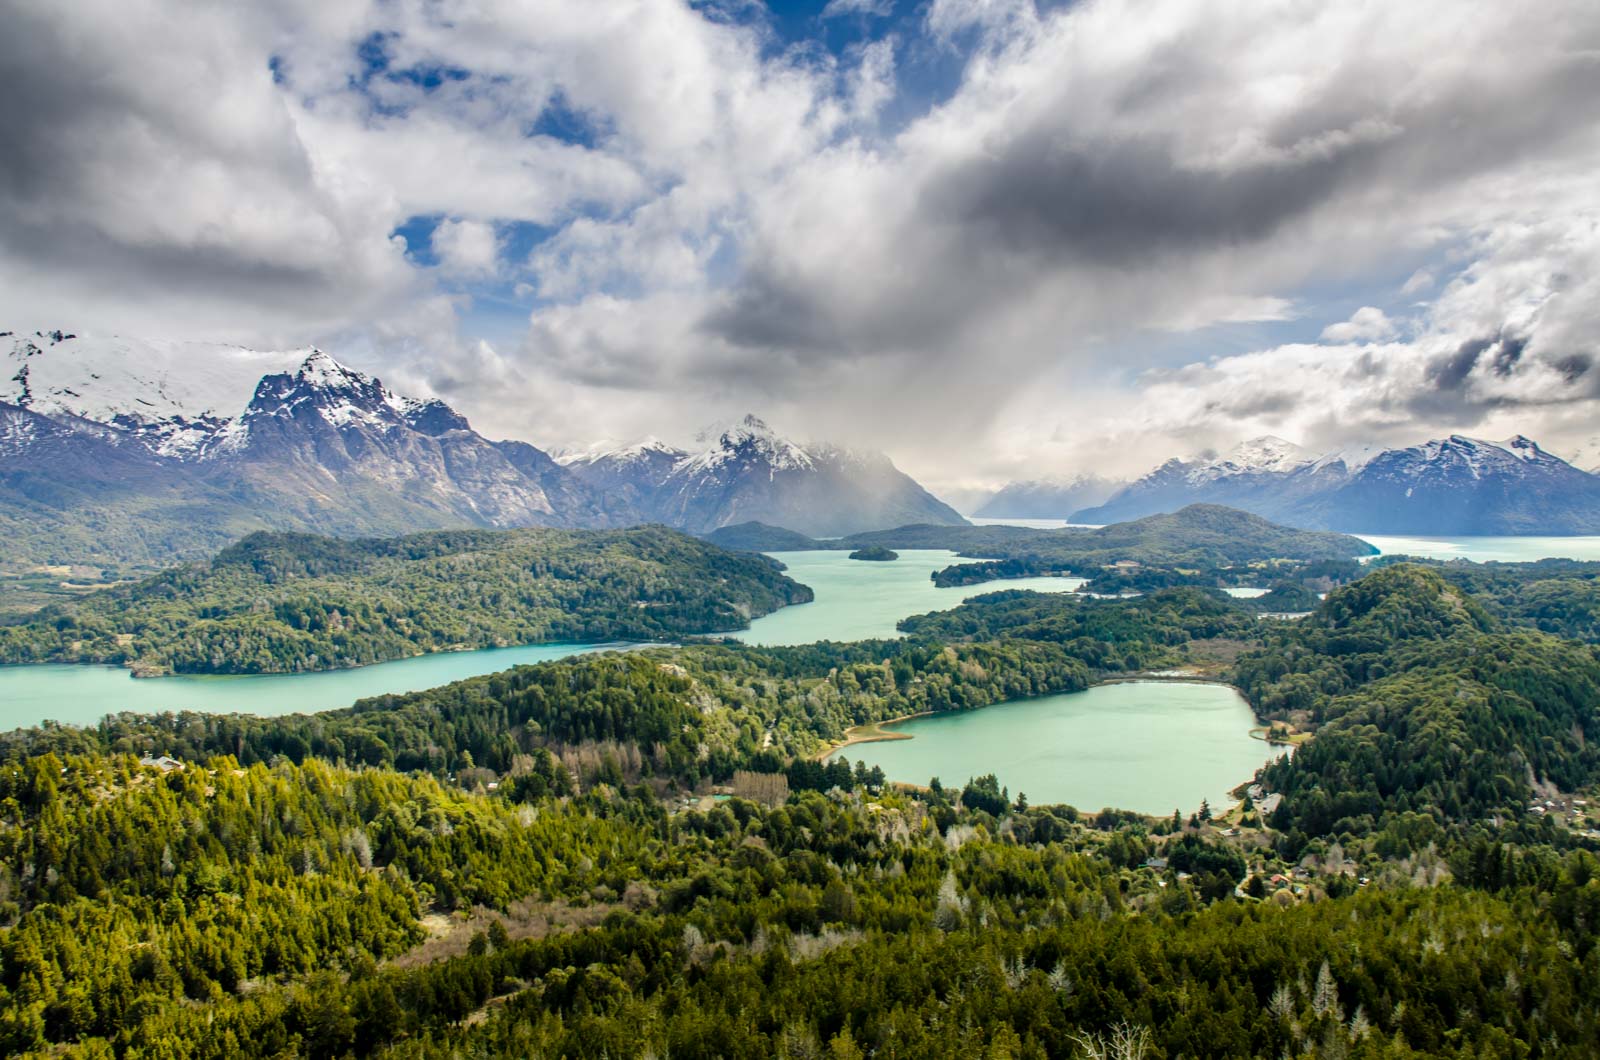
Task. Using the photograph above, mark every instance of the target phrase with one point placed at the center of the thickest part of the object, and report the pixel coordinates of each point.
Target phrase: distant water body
(1032, 524)
(859, 599)
(1148, 746)
(1485, 549)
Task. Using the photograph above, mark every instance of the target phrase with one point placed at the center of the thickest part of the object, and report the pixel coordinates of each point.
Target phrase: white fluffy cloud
(738, 223)
(1367, 324)
(466, 248)
(1509, 342)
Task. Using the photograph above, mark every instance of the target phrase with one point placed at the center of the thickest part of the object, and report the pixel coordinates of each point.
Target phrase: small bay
(1149, 746)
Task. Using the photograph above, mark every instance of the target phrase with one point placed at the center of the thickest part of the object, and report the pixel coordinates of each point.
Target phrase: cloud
(1420, 281)
(1509, 341)
(466, 248)
(1367, 324)
(727, 220)
(173, 168)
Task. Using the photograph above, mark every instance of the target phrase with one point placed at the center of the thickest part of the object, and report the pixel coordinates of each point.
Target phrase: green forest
(1203, 544)
(286, 603)
(641, 853)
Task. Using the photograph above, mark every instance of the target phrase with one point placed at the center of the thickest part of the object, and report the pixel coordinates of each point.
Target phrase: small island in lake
(875, 552)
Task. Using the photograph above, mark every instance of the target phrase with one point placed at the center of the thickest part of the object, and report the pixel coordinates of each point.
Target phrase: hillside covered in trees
(268, 911)
(283, 603)
(526, 863)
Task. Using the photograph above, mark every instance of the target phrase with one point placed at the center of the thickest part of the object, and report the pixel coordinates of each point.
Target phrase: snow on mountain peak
(321, 370)
(342, 396)
(748, 436)
(171, 395)
(1474, 455)
(614, 451)
(733, 432)
(1353, 457)
(1267, 453)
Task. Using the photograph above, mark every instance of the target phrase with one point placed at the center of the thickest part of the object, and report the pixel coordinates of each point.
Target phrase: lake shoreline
(1145, 742)
(135, 672)
(875, 731)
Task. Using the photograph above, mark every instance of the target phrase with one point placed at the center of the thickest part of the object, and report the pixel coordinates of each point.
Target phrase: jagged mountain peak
(744, 470)
(747, 440)
(171, 396)
(432, 416)
(1459, 452)
(343, 397)
(1267, 454)
(732, 432)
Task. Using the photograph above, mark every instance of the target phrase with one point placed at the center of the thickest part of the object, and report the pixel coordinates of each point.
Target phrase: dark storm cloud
(1121, 204)
(1574, 367)
(1449, 372)
(766, 310)
(152, 157)
(1117, 184)
(1464, 385)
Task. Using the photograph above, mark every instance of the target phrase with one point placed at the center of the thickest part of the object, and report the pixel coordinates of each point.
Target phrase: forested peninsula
(287, 603)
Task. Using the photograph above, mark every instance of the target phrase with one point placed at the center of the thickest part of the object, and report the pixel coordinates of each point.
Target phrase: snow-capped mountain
(332, 431)
(171, 396)
(630, 474)
(1265, 455)
(1453, 485)
(1047, 498)
(1244, 477)
(745, 471)
(120, 450)
(92, 426)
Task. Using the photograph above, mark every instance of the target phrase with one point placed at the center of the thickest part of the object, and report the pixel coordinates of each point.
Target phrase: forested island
(287, 603)
(1201, 545)
(875, 554)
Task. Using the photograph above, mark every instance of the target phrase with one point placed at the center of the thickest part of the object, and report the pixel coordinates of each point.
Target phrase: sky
(997, 239)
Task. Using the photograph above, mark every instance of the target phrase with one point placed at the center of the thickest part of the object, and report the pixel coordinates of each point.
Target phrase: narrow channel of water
(856, 599)
(82, 695)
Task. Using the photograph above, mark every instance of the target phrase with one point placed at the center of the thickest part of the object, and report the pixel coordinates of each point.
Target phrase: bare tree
(1123, 1042)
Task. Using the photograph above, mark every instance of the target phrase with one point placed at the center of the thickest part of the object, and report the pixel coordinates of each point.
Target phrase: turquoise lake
(82, 695)
(1150, 746)
(861, 599)
(855, 600)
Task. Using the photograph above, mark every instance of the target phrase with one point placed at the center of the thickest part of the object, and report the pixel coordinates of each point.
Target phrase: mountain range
(1048, 498)
(121, 451)
(747, 473)
(1455, 485)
